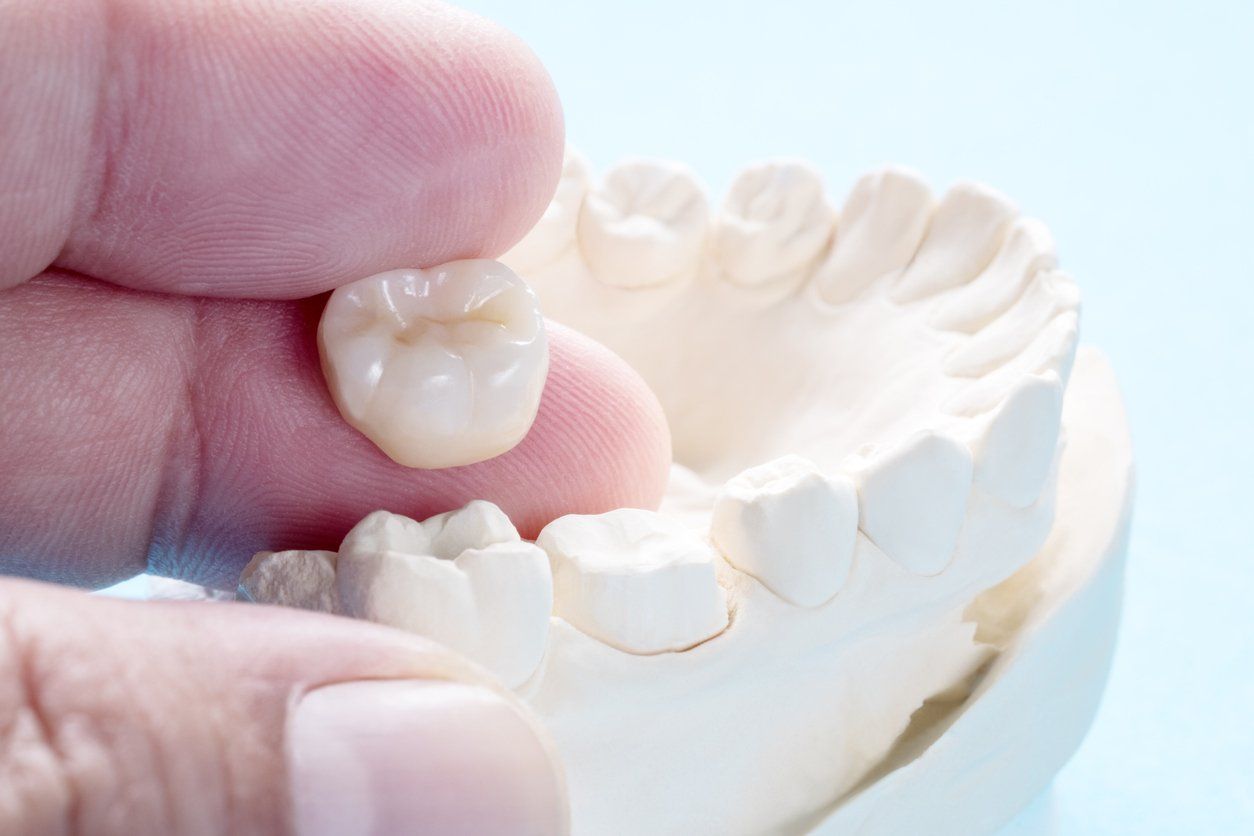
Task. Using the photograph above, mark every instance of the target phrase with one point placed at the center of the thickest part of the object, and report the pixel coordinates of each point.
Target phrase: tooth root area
(789, 526)
(645, 225)
(554, 233)
(464, 579)
(965, 232)
(775, 221)
(302, 579)
(913, 499)
(1048, 295)
(439, 367)
(879, 230)
(635, 580)
(1016, 452)
(1028, 249)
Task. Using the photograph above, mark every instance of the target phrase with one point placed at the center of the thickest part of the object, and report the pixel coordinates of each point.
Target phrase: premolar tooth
(966, 231)
(879, 229)
(775, 222)
(1014, 457)
(645, 225)
(1028, 249)
(912, 500)
(635, 580)
(464, 579)
(789, 526)
(1048, 295)
(297, 578)
(438, 367)
(555, 231)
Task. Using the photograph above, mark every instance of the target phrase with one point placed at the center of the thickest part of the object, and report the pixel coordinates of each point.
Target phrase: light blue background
(1129, 128)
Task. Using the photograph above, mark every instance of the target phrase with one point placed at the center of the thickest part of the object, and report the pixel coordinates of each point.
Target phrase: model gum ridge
(881, 592)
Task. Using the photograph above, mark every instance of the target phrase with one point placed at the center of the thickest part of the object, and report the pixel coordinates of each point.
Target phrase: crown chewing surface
(439, 367)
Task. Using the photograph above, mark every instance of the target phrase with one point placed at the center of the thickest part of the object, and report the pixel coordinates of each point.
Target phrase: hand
(175, 178)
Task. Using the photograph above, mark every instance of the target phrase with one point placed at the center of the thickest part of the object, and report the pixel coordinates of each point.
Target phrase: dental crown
(439, 367)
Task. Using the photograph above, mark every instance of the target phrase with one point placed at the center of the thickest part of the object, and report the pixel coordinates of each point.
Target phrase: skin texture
(271, 150)
(184, 435)
(122, 737)
(180, 182)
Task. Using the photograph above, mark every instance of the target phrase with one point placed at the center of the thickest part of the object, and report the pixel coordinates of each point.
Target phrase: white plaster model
(645, 226)
(967, 766)
(297, 578)
(787, 506)
(851, 595)
(635, 580)
(463, 578)
(438, 367)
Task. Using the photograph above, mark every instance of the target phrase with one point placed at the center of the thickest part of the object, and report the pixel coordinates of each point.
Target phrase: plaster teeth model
(914, 500)
(966, 230)
(1028, 249)
(438, 367)
(789, 526)
(303, 579)
(881, 225)
(1017, 449)
(636, 580)
(463, 578)
(645, 225)
(856, 602)
(775, 222)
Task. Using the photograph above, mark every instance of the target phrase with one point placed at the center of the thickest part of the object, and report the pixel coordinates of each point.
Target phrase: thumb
(139, 717)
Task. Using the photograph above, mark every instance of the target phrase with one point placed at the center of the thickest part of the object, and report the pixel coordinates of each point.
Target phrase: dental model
(440, 367)
(881, 593)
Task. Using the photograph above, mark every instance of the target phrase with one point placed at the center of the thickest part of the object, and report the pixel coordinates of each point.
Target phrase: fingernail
(407, 756)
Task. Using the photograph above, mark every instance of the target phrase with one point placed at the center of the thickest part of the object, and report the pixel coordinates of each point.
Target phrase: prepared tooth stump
(881, 593)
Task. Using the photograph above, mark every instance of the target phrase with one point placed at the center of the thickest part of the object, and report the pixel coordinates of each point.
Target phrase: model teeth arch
(867, 406)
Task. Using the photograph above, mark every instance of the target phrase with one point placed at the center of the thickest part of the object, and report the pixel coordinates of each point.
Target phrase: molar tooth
(438, 367)
(789, 526)
(1016, 452)
(464, 579)
(554, 233)
(645, 225)
(1027, 250)
(966, 231)
(774, 223)
(297, 578)
(634, 579)
(879, 229)
(1048, 295)
(912, 500)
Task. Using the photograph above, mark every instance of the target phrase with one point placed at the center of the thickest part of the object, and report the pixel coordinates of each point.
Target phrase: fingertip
(443, 757)
(238, 718)
(279, 468)
(517, 113)
(262, 150)
(213, 434)
(50, 60)
(603, 422)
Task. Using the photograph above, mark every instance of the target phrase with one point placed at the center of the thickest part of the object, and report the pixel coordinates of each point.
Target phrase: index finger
(259, 149)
